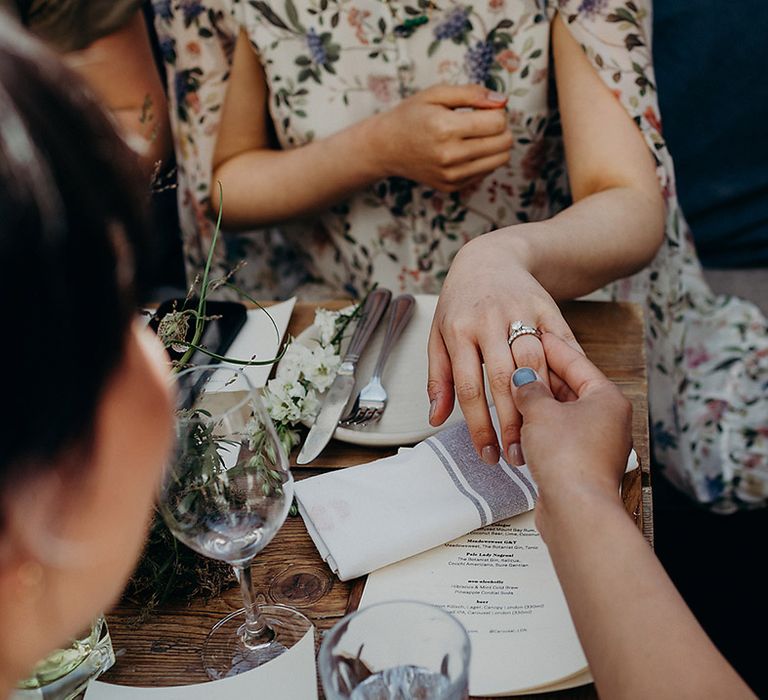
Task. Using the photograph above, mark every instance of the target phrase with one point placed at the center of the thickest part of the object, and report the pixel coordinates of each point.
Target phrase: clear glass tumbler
(401, 650)
(66, 672)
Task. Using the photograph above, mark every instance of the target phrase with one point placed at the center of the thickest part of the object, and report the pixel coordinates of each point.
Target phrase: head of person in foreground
(85, 412)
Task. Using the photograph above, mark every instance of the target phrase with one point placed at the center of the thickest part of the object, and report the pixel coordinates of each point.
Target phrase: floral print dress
(330, 63)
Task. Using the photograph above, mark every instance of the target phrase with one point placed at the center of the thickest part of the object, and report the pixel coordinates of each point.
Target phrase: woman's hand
(445, 137)
(487, 289)
(581, 436)
(577, 444)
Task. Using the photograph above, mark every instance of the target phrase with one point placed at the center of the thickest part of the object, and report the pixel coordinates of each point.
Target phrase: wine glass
(226, 492)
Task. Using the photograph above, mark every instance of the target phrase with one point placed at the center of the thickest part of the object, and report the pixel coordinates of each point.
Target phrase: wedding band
(518, 328)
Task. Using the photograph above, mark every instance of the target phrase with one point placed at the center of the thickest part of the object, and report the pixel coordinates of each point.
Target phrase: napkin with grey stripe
(366, 517)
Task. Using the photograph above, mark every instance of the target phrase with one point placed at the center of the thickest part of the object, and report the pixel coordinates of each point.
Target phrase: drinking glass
(66, 672)
(400, 650)
(226, 492)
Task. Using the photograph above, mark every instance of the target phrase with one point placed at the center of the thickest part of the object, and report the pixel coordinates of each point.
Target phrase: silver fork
(372, 399)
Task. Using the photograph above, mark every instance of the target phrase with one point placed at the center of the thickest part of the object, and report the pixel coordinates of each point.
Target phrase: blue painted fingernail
(523, 376)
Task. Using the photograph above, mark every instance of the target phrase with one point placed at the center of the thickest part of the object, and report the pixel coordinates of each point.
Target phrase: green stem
(231, 360)
(200, 316)
(247, 296)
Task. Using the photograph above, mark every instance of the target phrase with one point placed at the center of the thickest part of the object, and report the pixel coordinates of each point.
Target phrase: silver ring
(518, 328)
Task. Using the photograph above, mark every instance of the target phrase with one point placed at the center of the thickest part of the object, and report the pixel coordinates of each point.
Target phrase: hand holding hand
(487, 289)
(579, 438)
(427, 139)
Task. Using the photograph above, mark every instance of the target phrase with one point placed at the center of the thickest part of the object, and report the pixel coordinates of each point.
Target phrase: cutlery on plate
(372, 399)
(340, 390)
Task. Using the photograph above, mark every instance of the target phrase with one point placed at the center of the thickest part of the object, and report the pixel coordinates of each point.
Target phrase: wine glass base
(225, 654)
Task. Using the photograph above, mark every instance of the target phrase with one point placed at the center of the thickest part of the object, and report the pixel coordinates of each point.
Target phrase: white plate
(406, 418)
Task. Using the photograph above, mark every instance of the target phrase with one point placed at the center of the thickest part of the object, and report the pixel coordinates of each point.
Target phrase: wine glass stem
(255, 631)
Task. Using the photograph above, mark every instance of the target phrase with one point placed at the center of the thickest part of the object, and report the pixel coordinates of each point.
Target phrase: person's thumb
(529, 393)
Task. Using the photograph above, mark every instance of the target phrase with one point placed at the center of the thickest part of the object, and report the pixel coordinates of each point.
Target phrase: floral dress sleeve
(196, 40)
(707, 354)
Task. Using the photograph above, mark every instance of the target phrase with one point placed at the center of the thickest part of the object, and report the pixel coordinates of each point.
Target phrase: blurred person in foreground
(86, 414)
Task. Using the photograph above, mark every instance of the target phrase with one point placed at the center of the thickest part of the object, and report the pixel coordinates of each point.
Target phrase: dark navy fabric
(711, 60)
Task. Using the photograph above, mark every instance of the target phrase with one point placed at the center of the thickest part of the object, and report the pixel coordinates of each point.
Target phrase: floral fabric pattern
(331, 63)
(196, 41)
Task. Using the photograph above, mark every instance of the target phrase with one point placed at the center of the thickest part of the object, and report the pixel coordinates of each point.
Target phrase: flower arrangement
(167, 568)
(304, 373)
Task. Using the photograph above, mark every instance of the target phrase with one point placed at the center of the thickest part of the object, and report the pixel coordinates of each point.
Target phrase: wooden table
(166, 649)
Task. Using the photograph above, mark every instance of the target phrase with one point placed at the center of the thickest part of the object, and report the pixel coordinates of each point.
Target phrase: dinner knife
(341, 389)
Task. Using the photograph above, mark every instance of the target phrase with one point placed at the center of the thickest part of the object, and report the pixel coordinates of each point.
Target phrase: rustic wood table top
(165, 650)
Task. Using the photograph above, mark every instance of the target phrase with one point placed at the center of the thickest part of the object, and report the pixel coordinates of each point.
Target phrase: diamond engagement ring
(518, 328)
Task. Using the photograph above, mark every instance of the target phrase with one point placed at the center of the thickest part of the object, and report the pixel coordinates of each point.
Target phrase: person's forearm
(601, 238)
(639, 636)
(265, 186)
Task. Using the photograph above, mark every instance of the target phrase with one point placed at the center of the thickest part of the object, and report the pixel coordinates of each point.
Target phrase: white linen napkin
(257, 339)
(362, 518)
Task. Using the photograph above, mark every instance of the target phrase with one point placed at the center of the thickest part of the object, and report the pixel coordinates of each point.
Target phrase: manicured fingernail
(523, 376)
(494, 96)
(515, 455)
(490, 454)
(432, 409)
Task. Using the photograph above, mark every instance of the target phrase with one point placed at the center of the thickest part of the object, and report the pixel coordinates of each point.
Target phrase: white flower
(311, 405)
(290, 367)
(325, 323)
(320, 366)
(302, 375)
(284, 400)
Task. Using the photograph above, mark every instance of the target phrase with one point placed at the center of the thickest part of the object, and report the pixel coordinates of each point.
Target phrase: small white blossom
(284, 400)
(320, 366)
(325, 324)
(311, 405)
(303, 374)
(290, 367)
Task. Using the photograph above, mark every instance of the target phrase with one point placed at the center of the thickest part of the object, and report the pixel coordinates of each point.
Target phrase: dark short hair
(72, 253)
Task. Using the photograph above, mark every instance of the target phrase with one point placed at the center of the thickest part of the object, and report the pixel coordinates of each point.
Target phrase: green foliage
(169, 571)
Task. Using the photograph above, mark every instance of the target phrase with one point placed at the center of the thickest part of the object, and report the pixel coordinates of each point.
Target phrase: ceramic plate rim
(372, 439)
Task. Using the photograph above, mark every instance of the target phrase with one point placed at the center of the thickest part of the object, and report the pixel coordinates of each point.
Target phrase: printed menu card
(500, 583)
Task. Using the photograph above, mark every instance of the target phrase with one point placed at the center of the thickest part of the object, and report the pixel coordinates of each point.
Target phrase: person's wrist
(567, 488)
(371, 147)
(510, 245)
(562, 513)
